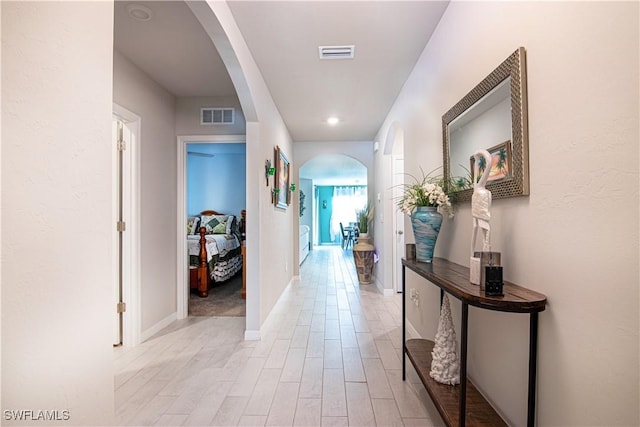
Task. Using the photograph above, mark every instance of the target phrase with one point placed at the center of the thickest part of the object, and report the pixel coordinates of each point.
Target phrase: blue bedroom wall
(216, 178)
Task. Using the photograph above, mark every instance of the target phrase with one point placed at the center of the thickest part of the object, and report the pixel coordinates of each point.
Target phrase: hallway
(330, 355)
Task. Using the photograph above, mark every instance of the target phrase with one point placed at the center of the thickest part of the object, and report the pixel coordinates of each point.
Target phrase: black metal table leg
(533, 356)
(404, 338)
(463, 364)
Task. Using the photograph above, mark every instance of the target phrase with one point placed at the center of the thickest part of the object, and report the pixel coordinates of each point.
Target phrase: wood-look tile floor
(330, 355)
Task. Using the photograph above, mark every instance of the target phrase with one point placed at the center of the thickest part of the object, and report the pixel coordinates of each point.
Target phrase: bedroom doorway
(126, 238)
(192, 151)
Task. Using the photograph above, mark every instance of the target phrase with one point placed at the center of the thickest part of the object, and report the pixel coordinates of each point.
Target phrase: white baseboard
(250, 335)
(383, 290)
(256, 335)
(159, 326)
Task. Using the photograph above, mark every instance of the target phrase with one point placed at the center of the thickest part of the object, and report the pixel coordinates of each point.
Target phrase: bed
(214, 246)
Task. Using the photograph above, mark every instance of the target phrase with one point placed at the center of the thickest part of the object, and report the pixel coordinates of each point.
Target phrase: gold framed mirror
(492, 116)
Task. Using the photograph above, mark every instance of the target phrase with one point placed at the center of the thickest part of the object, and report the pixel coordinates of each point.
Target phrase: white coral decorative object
(445, 365)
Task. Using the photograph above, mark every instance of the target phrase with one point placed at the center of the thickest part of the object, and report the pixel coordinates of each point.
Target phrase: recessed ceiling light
(139, 12)
(333, 121)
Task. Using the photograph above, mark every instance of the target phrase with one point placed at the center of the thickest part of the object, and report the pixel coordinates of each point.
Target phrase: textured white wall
(135, 91)
(575, 238)
(56, 210)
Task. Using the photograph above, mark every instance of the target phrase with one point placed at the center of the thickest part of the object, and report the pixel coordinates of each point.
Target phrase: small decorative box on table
(463, 403)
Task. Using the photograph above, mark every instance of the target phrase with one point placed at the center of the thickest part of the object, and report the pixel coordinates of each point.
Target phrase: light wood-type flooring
(330, 355)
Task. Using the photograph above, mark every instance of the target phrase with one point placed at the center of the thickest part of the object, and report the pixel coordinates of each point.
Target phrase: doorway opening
(338, 205)
(216, 182)
(203, 150)
(336, 185)
(394, 146)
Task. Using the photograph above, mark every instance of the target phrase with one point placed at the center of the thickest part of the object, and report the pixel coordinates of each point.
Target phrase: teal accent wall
(324, 214)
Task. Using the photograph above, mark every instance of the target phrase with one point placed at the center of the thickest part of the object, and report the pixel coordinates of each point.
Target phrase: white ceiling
(172, 48)
(334, 169)
(283, 36)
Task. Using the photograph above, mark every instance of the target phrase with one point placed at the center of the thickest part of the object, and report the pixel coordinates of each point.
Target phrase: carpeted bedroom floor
(223, 300)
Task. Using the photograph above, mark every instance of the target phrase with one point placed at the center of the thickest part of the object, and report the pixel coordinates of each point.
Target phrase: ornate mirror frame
(517, 184)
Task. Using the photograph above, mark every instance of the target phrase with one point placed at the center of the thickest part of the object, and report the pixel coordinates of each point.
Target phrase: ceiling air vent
(217, 116)
(336, 52)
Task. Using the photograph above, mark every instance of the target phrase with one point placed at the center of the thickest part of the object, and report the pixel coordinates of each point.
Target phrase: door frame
(394, 148)
(398, 221)
(182, 262)
(131, 289)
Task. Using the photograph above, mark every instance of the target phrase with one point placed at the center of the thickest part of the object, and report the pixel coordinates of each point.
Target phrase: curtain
(346, 201)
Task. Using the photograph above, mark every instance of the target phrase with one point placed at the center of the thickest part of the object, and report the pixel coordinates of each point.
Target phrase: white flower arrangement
(425, 192)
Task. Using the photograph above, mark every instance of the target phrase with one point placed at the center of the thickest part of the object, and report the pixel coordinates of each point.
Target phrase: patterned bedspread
(223, 254)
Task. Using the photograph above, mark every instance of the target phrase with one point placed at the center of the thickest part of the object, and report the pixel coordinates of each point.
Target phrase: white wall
(56, 210)
(270, 239)
(575, 238)
(135, 91)
(188, 116)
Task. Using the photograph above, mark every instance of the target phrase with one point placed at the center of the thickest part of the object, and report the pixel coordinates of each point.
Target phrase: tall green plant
(364, 216)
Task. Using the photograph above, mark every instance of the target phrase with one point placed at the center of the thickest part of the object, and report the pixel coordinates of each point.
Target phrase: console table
(463, 403)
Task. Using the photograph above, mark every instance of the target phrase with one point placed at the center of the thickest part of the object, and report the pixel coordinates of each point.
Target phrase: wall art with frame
(282, 194)
(501, 167)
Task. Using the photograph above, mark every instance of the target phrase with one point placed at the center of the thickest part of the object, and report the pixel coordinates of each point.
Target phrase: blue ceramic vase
(426, 222)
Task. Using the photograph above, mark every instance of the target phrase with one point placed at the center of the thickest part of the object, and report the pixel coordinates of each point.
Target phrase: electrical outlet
(414, 295)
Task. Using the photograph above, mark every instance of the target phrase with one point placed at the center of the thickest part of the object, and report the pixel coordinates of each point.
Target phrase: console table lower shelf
(447, 397)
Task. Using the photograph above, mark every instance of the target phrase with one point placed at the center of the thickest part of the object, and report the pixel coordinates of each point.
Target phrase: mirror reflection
(493, 116)
(487, 121)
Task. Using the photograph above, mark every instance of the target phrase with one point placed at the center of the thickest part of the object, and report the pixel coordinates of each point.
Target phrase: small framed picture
(501, 163)
(282, 195)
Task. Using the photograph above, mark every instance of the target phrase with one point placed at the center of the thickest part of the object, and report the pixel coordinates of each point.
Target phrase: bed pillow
(192, 224)
(214, 224)
(231, 225)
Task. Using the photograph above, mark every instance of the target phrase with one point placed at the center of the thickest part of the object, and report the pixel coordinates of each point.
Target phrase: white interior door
(398, 222)
(126, 243)
(116, 131)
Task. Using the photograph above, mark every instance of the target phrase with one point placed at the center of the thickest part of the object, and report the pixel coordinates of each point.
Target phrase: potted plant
(364, 217)
(421, 200)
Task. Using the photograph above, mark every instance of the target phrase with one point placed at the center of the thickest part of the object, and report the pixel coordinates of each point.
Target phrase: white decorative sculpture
(445, 365)
(480, 205)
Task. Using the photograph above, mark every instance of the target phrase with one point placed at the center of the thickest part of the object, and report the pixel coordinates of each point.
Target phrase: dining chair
(347, 237)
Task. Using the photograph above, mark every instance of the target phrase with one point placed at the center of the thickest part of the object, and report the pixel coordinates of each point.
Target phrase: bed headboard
(211, 212)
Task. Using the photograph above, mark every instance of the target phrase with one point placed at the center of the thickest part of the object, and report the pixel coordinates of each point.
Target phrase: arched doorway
(335, 186)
